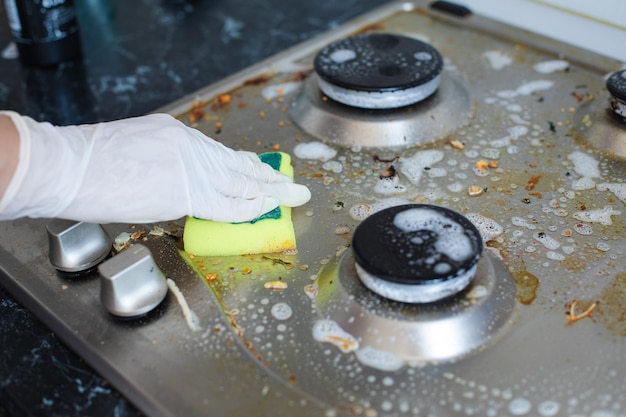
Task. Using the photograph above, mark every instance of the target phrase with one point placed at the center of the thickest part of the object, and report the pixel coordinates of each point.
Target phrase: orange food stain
(211, 277)
(532, 182)
(481, 165)
(224, 99)
(346, 344)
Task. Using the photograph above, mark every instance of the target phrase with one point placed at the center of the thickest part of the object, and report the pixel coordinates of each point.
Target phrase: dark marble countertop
(138, 56)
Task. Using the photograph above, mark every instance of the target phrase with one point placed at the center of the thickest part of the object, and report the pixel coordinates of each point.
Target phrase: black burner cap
(616, 84)
(378, 62)
(416, 244)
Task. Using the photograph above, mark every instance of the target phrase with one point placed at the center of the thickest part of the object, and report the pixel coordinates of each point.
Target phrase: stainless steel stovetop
(519, 139)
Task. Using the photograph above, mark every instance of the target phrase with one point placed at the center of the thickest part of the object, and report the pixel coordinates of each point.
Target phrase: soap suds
(497, 59)
(602, 216)
(329, 331)
(548, 67)
(378, 359)
(489, 229)
(315, 151)
(526, 89)
(451, 239)
(414, 166)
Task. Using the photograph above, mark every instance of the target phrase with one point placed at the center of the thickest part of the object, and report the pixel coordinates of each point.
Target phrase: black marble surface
(138, 56)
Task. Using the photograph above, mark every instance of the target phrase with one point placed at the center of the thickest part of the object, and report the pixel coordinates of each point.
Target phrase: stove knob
(416, 253)
(616, 84)
(76, 246)
(131, 284)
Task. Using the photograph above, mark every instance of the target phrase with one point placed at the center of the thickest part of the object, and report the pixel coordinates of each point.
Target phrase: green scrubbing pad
(272, 232)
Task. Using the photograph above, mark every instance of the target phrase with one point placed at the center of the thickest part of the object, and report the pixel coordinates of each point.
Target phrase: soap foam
(548, 67)
(413, 167)
(546, 240)
(602, 216)
(497, 59)
(618, 189)
(451, 238)
(314, 150)
(329, 331)
(362, 211)
(489, 229)
(389, 186)
(379, 359)
(526, 89)
(584, 165)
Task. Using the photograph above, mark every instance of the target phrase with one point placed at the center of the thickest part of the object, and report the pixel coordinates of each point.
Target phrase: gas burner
(469, 310)
(378, 71)
(416, 253)
(616, 84)
(601, 126)
(367, 109)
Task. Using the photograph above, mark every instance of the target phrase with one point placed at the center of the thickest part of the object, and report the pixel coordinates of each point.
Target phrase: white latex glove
(139, 170)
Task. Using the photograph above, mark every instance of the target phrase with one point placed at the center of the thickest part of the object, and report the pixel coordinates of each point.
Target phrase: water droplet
(547, 241)
(388, 381)
(281, 311)
(342, 55)
(519, 406)
(548, 408)
(379, 359)
(330, 332)
(423, 56)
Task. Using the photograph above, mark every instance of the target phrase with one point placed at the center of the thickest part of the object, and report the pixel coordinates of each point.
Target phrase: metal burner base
(600, 128)
(432, 332)
(434, 118)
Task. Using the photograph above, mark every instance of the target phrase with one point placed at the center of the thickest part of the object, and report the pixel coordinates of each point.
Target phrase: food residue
(457, 144)
(275, 285)
(329, 331)
(573, 317)
(190, 317)
(211, 277)
(526, 286)
(532, 182)
(474, 190)
(224, 99)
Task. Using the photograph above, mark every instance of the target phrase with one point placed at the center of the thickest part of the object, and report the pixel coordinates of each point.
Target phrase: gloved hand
(139, 170)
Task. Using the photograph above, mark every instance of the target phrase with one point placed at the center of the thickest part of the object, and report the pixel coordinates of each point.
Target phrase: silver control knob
(131, 284)
(76, 246)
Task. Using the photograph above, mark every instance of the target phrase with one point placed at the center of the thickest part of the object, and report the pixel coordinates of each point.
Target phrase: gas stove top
(519, 138)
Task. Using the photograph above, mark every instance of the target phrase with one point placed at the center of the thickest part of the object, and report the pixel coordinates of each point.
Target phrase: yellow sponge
(272, 232)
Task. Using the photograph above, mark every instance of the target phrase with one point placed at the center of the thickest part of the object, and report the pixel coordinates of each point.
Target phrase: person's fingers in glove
(246, 187)
(244, 162)
(259, 198)
(143, 169)
(272, 175)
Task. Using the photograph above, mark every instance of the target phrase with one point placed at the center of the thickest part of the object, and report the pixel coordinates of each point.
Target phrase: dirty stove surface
(518, 138)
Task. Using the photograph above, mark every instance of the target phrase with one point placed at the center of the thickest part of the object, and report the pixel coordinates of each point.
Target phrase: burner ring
(428, 121)
(416, 253)
(436, 332)
(378, 71)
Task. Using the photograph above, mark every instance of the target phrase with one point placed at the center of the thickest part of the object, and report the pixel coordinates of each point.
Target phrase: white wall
(597, 25)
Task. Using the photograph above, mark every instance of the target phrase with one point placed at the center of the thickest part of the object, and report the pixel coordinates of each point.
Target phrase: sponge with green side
(272, 232)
